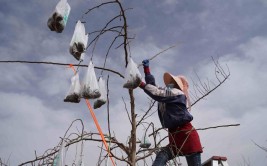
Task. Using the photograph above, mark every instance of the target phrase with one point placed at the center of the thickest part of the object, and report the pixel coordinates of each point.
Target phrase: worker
(173, 103)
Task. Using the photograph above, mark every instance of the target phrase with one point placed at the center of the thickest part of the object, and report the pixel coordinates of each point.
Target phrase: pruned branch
(62, 64)
(220, 126)
(154, 56)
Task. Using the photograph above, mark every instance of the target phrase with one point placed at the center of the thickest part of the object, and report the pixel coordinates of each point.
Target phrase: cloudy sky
(33, 115)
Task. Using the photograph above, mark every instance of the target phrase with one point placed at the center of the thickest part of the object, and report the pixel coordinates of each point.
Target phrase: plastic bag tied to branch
(95, 121)
(73, 94)
(59, 18)
(90, 87)
(103, 98)
(133, 76)
(79, 41)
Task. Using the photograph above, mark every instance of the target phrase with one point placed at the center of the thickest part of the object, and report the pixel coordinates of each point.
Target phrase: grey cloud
(12, 80)
(26, 124)
(239, 100)
(244, 86)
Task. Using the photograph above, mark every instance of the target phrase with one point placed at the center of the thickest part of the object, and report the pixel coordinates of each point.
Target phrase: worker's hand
(142, 85)
(145, 63)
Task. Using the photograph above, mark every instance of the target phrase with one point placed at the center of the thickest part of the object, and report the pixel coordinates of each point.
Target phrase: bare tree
(130, 152)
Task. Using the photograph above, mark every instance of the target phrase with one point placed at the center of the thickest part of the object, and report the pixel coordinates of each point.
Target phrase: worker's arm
(149, 78)
(162, 95)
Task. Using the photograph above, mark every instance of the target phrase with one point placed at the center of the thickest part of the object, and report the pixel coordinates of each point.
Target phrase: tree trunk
(132, 156)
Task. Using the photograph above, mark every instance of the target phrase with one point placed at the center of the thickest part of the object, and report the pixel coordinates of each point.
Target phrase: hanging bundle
(103, 98)
(60, 157)
(90, 88)
(145, 143)
(73, 94)
(133, 76)
(79, 41)
(59, 18)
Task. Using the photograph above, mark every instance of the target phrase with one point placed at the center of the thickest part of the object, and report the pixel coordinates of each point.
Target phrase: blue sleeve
(150, 79)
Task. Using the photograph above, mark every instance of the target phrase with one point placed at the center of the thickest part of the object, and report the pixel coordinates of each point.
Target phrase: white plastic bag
(90, 88)
(59, 18)
(56, 159)
(60, 157)
(103, 98)
(80, 163)
(73, 94)
(79, 40)
(145, 143)
(133, 76)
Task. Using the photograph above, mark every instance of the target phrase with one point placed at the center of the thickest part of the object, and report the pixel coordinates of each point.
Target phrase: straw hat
(171, 79)
(181, 82)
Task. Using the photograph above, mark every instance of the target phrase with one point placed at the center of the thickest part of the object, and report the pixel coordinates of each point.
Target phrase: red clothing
(184, 140)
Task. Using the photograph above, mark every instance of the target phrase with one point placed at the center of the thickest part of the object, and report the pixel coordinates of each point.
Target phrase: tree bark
(132, 156)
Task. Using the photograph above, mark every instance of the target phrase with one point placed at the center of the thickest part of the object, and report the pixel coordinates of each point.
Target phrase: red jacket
(184, 140)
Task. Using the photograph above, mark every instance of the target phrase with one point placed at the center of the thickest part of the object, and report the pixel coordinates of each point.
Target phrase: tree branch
(204, 89)
(61, 64)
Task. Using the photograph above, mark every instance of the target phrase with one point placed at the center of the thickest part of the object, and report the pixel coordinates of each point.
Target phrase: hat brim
(170, 79)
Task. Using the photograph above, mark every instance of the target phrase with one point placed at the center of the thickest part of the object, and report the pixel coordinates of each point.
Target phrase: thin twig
(214, 127)
(126, 110)
(261, 147)
(159, 53)
(143, 117)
